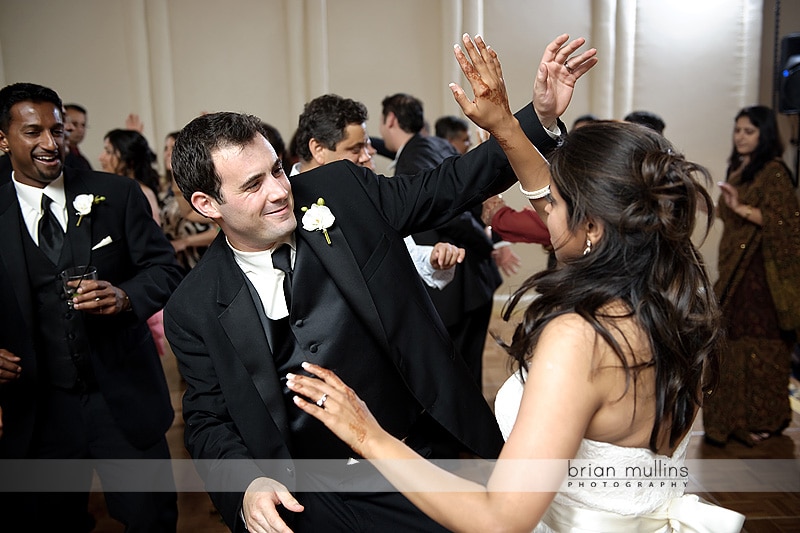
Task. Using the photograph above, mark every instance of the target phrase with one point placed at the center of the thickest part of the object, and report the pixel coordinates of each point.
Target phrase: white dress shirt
(30, 203)
(267, 279)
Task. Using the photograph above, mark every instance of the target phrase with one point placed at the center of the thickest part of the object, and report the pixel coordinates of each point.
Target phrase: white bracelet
(537, 194)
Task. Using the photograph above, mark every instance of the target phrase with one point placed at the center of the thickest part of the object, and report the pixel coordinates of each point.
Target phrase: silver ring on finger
(321, 401)
(566, 66)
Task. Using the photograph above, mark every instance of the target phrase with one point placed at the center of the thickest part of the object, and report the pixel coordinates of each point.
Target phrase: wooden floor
(766, 512)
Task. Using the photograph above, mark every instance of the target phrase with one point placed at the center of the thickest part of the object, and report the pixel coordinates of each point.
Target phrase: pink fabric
(156, 324)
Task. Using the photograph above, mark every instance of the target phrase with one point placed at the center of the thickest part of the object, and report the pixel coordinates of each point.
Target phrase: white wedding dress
(637, 504)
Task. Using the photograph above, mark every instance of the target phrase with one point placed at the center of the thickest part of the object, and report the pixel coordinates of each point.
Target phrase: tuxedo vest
(59, 332)
(323, 329)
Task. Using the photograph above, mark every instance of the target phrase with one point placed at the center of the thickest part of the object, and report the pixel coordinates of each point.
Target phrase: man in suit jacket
(81, 381)
(465, 305)
(355, 304)
(332, 128)
(77, 116)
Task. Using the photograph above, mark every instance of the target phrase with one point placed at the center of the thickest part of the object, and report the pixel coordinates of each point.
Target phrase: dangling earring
(588, 248)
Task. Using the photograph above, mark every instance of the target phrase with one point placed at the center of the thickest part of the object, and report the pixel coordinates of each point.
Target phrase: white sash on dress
(686, 514)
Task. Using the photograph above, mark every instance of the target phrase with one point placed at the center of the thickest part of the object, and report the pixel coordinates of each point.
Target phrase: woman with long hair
(611, 356)
(758, 285)
(126, 152)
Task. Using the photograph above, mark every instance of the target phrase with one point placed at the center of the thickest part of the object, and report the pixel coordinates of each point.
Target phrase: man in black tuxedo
(290, 280)
(78, 116)
(464, 305)
(81, 381)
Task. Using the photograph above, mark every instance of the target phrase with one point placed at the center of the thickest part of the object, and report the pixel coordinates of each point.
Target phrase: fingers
(567, 50)
(259, 506)
(9, 369)
(446, 255)
(577, 65)
(324, 374)
(315, 391)
(581, 64)
(554, 47)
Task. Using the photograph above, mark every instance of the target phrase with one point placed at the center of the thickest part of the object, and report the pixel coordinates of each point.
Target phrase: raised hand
(556, 77)
(489, 109)
(336, 405)
(134, 122)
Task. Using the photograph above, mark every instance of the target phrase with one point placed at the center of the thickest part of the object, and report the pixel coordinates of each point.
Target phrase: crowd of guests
(220, 254)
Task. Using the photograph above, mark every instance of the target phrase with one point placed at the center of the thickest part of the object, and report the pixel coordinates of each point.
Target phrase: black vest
(324, 330)
(62, 346)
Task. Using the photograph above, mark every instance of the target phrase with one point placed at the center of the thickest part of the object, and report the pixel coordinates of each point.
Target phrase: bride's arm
(553, 88)
(560, 399)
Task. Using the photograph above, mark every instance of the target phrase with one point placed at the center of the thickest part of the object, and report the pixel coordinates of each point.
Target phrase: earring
(588, 248)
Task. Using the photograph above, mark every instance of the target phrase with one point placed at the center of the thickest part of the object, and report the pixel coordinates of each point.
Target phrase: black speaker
(789, 75)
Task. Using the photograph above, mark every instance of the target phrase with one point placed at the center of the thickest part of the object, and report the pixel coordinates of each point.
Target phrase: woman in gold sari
(758, 286)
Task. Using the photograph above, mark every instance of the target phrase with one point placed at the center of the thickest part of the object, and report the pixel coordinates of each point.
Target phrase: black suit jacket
(123, 356)
(233, 406)
(477, 277)
(423, 152)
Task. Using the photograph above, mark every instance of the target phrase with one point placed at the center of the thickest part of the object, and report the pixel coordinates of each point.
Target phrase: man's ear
(317, 151)
(205, 205)
(3, 141)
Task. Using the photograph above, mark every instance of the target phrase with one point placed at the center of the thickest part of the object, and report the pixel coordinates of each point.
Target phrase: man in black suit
(339, 290)
(465, 305)
(80, 381)
(77, 115)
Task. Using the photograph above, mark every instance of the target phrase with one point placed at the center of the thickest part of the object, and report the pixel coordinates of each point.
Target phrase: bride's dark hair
(646, 196)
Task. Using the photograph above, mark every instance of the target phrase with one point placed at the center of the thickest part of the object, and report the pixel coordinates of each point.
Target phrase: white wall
(694, 62)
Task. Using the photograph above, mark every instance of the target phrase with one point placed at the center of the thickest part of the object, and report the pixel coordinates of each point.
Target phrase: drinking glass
(72, 277)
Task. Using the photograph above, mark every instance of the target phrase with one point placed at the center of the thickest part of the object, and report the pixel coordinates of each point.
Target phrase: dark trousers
(74, 425)
(335, 510)
(469, 336)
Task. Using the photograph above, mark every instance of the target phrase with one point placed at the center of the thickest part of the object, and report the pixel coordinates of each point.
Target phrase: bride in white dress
(615, 346)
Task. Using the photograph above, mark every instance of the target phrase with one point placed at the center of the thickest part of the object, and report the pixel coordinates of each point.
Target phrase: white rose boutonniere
(318, 217)
(83, 204)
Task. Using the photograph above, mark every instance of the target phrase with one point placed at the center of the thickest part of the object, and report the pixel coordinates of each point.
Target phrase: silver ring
(97, 299)
(566, 66)
(321, 401)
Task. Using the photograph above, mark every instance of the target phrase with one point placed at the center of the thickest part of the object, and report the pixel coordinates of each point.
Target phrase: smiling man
(271, 293)
(80, 381)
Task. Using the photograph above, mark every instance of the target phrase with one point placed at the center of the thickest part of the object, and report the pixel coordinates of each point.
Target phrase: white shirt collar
(33, 195)
(30, 199)
(256, 261)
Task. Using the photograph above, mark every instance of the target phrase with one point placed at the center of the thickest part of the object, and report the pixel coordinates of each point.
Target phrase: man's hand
(507, 261)
(556, 77)
(259, 510)
(446, 255)
(99, 297)
(9, 369)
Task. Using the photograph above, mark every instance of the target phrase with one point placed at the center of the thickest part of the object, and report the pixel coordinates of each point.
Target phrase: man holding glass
(80, 381)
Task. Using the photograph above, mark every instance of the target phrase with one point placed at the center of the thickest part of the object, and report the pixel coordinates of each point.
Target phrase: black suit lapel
(240, 321)
(340, 264)
(12, 253)
(80, 237)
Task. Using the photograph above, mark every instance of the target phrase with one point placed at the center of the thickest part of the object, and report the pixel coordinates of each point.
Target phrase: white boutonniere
(318, 217)
(83, 204)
